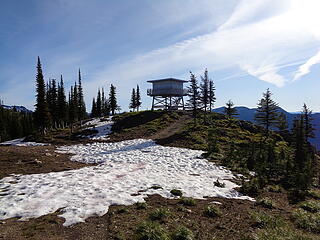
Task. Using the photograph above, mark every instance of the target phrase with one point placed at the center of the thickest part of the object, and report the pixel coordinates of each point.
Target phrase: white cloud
(306, 67)
(260, 48)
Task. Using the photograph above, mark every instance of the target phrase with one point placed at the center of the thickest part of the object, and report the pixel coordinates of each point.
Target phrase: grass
(310, 206)
(314, 193)
(306, 220)
(182, 233)
(188, 201)
(266, 202)
(123, 210)
(159, 214)
(212, 211)
(264, 220)
(151, 231)
(141, 205)
(176, 192)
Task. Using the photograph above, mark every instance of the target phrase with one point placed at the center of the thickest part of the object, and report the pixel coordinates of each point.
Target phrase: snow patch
(103, 128)
(20, 142)
(126, 172)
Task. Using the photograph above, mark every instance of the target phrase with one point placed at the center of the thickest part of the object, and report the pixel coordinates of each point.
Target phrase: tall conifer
(41, 114)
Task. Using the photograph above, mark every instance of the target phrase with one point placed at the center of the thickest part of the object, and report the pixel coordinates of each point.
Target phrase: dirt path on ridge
(173, 128)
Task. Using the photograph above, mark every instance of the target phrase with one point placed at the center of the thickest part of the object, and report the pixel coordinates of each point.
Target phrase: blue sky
(246, 45)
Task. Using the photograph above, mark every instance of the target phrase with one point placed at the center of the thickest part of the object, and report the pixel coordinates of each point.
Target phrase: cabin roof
(167, 79)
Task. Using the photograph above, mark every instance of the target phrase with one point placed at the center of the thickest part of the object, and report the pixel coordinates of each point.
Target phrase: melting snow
(20, 142)
(125, 169)
(103, 128)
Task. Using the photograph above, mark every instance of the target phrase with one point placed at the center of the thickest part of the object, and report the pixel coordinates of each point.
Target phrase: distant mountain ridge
(247, 114)
(18, 108)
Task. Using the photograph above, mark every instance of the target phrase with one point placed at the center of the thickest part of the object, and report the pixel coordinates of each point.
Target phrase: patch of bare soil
(121, 221)
(37, 159)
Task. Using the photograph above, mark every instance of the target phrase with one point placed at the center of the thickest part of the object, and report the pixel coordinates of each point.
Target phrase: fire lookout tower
(167, 93)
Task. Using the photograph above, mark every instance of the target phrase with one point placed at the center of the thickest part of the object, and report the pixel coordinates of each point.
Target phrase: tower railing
(167, 92)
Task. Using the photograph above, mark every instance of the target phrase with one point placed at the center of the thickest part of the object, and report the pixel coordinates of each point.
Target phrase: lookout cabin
(167, 93)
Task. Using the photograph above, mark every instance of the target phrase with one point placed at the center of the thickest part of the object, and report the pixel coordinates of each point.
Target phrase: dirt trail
(173, 128)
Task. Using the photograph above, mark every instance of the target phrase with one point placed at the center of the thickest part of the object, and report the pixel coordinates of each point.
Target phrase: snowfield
(20, 142)
(103, 128)
(125, 169)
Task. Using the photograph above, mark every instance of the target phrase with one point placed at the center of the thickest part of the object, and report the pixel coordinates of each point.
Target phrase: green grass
(314, 193)
(266, 202)
(141, 205)
(306, 220)
(182, 233)
(188, 201)
(159, 214)
(151, 231)
(264, 220)
(310, 206)
(212, 211)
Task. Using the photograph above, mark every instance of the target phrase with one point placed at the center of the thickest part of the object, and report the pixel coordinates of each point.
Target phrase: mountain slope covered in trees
(247, 114)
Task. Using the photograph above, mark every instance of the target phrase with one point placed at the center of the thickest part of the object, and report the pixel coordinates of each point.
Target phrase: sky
(247, 46)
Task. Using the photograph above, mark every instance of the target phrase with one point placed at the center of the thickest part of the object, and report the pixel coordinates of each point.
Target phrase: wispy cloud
(306, 67)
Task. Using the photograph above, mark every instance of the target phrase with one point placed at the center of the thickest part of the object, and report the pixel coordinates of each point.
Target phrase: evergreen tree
(193, 94)
(53, 101)
(82, 112)
(94, 108)
(133, 103)
(230, 110)
(62, 104)
(282, 124)
(41, 114)
(307, 122)
(99, 104)
(76, 102)
(303, 157)
(212, 98)
(138, 98)
(204, 91)
(103, 103)
(267, 112)
(72, 107)
(113, 99)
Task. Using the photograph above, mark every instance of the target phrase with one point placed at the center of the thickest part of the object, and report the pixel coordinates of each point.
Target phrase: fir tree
(212, 98)
(53, 101)
(307, 122)
(113, 99)
(282, 124)
(193, 93)
(204, 91)
(133, 103)
(41, 114)
(62, 104)
(94, 109)
(230, 110)
(138, 98)
(72, 107)
(76, 102)
(82, 112)
(99, 104)
(267, 112)
(103, 103)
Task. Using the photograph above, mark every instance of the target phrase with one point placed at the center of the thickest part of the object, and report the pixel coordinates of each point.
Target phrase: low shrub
(219, 184)
(141, 205)
(264, 220)
(266, 202)
(150, 231)
(159, 214)
(212, 211)
(182, 233)
(176, 192)
(307, 221)
(310, 206)
(188, 201)
(123, 210)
